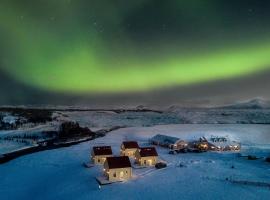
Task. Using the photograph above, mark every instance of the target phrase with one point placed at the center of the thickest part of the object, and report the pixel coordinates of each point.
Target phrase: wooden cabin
(128, 148)
(118, 168)
(169, 142)
(146, 156)
(100, 153)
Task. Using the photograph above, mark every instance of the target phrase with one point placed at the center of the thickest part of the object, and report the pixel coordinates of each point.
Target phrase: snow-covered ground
(108, 119)
(7, 146)
(59, 174)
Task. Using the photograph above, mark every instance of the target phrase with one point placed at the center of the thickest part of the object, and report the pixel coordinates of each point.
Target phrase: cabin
(118, 168)
(100, 153)
(169, 142)
(128, 148)
(146, 156)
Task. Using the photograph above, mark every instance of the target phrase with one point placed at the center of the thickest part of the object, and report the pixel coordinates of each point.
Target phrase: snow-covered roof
(165, 139)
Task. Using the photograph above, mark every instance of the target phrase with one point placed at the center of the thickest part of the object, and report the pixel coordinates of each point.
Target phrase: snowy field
(7, 146)
(59, 174)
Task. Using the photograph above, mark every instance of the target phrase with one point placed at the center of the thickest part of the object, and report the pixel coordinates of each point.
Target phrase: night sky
(143, 51)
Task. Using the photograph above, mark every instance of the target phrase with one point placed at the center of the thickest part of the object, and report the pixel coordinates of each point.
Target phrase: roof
(148, 151)
(130, 145)
(118, 162)
(102, 150)
(165, 139)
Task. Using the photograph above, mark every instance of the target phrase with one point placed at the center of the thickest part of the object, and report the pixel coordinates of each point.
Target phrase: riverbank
(6, 157)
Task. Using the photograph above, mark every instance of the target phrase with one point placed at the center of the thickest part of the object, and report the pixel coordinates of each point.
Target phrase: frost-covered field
(59, 174)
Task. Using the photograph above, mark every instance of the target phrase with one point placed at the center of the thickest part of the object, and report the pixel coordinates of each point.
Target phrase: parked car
(250, 157)
(161, 165)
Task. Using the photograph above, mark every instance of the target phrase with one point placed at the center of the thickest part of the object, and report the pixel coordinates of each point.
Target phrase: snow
(257, 103)
(108, 119)
(7, 146)
(10, 119)
(59, 174)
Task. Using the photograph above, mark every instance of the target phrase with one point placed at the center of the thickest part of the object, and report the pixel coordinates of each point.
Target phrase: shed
(169, 141)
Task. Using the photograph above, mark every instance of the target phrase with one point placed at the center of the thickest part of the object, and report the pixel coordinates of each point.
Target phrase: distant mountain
(251, 104)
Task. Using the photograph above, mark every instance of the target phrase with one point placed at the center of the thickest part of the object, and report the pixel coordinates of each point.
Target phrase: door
(150, 162)
(121, 175)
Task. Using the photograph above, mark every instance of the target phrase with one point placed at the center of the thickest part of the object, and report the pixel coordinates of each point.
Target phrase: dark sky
(153, 52)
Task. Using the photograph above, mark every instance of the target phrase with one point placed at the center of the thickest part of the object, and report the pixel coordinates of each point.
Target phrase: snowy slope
(257, 103)
(58, 174)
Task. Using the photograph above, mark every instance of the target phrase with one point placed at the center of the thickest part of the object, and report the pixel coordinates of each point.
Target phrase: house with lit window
(118, 168)
(128, 148)
(146, 156)
(100, 153)
(201, 145)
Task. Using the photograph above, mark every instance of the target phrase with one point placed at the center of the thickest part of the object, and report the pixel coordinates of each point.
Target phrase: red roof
(118, 162)
(148, 151)
(131, 145)
(102, 150)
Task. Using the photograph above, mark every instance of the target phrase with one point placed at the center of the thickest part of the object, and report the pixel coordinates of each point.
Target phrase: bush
(72, 129)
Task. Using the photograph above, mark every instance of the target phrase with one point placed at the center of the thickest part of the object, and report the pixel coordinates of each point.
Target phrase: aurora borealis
(88, 47)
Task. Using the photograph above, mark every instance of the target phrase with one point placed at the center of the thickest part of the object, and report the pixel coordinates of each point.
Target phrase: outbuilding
(100, 153)
(128, 148)
(118, 168)
(169, 142)
(146, 156)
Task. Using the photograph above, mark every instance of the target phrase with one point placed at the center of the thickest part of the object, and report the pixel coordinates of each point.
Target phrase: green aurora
(73, 50)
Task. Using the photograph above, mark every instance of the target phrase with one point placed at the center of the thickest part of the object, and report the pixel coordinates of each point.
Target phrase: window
(114, 174)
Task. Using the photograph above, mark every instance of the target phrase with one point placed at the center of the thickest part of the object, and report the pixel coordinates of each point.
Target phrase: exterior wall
(161, 144)
(128, 152)
(145, 161)
(203, 146)
(99, 160)
(180, 145)
(119, 174)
